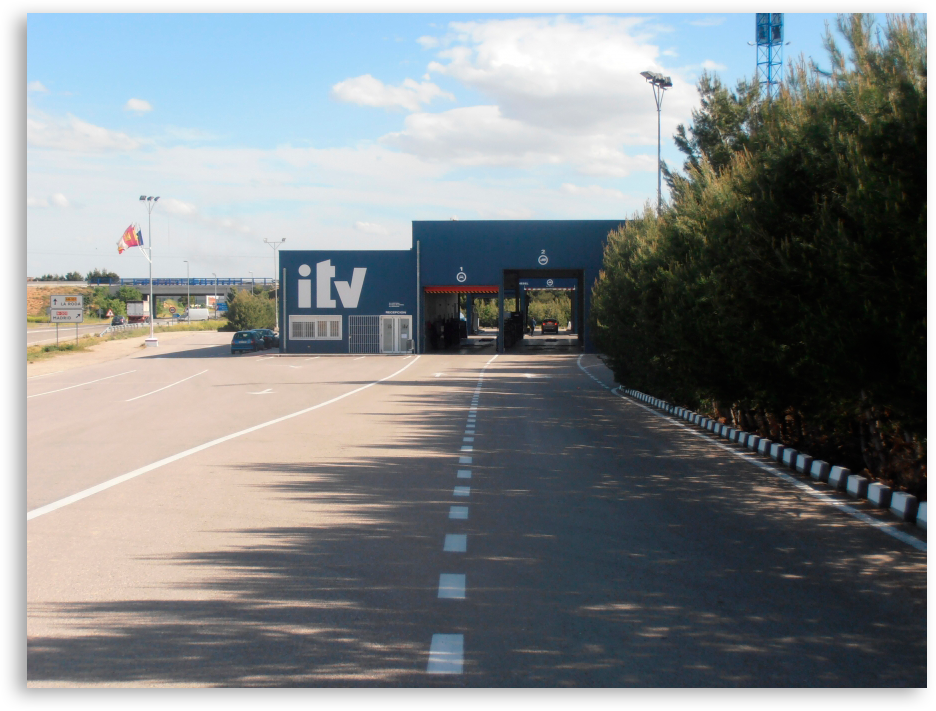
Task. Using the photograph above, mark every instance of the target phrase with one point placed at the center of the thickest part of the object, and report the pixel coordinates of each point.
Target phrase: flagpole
(150, 204)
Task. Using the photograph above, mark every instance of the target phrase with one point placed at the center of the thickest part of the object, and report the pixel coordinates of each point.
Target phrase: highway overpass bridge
(167, 288)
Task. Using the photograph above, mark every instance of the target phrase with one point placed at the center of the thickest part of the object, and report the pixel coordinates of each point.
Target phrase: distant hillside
(38, 298)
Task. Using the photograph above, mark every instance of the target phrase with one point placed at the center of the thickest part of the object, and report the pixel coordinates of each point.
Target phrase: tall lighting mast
(660, 84)
(275, 244)
(150, 203)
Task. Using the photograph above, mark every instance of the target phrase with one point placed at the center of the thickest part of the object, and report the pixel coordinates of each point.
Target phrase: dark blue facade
(341, 284)
(491, 253)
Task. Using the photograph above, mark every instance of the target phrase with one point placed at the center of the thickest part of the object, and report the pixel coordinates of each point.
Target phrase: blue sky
(338, 130)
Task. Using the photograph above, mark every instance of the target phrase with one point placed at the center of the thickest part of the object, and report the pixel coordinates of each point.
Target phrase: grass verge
(39, 353)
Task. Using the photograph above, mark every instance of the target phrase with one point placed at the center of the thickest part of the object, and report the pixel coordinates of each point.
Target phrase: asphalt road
(321, 522)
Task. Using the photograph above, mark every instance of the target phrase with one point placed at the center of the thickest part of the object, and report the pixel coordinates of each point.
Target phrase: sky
(336, 131)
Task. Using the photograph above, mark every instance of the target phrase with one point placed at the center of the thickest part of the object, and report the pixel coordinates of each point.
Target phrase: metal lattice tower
(769, 35)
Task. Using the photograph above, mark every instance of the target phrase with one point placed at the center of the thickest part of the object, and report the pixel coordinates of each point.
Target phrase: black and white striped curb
(905, 506)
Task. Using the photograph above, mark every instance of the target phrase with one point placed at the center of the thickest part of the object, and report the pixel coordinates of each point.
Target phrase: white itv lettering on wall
(348, 292)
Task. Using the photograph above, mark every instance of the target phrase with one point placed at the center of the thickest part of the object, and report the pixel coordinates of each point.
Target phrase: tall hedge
(784, 287)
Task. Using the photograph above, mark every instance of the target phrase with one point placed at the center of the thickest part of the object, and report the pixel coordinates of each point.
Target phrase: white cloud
(59, 200)
(707, 22)
(368, 91)
(591, 191)
(36, 87)
(73, 134)
(482, 136)
(371, 228)
(138, 106)
(36, 202)
(714, 66)
(428, 42)
(562, 92)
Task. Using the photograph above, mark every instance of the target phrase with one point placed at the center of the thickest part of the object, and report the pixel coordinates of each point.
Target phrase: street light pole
(252, 285)
(188, 295)
(275, 245)
(150, 203)
(216, 293)
(660, 84)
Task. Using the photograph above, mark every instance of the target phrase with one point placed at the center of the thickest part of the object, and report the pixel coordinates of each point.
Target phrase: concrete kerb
(856, 486)
(903, 505)
(880, 495)
(838, 477)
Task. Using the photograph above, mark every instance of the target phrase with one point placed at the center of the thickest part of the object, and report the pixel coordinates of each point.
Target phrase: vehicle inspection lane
(609, 548)
(306, 552)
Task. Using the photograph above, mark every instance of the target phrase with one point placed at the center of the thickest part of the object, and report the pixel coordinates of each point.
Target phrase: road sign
(66, 315)
(110, 312)
(66, 301)
(172, 309)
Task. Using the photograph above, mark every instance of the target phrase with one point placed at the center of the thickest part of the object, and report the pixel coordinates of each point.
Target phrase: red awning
(460, 289)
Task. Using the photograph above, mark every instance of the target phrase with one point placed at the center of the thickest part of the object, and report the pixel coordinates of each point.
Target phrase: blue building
(350, 301)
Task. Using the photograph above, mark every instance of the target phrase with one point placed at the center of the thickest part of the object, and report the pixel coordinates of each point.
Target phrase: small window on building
(315, 328)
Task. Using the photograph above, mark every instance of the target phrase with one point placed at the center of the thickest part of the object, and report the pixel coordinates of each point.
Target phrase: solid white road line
(446, 654)
(45, 374)
(458, 512)
(168, 386)
(80, 384)
(194, 450)
(455, 543)
(452, 586)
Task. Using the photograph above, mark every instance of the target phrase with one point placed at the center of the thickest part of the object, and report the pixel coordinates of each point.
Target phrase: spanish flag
(132, 237)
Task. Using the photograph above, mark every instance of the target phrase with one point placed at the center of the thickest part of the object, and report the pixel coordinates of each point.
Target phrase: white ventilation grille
(315, 328)
(363, 334)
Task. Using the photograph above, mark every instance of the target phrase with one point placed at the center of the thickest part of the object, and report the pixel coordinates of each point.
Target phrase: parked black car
(270, 337)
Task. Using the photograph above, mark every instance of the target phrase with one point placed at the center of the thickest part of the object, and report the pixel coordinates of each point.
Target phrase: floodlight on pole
(150, 203)
(275, 245)
(660, 84)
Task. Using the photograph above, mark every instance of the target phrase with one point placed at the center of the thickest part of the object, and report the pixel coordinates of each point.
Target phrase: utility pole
(275, 244)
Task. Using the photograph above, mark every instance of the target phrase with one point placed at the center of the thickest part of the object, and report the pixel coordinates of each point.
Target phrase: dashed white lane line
(462, 491)
(458, 512)
(446, 654)
(467, 448)
(80, 384)
(464, 474)
(167, 386)
(194, 450)
(452, 586)
(360, 358)
(464, 460)
(455, 543)
(749, 457)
